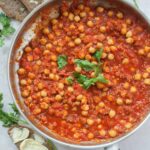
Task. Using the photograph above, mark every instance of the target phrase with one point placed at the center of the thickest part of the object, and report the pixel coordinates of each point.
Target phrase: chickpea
(130, 40)
(128, 125)
(53, 57)
(126, 85)
(56, 77)
(100, 85)
(102, 132)
(99, 45)
(128, 101)
(46, 31)
(90, 122)
(101, 104)
(141, 52)
(81, 7)
(76, 135)
(133, 89)
(84, 100)
(91, 14)
(28, 49)
(78, 69)
(125, 61)
(137, 76)
(148, 69)
(145, 75)
(87, 9)
(77, 41)
(46, 71)
(119, 101)
(90, 24)
(44, 105)
(81, 28)
(54, 21)
(36, 111)
(85, 107)
(110, 41)
(123, 31)
(92, 50)
(88, 57)
(43, 93)
(110, 13)
(147, 81)
(43, 41)
(147, 49)
(83, 14)
(65, 14)
(70, 89)
(49, 46)
(112, 133)
(51, 76)
(90, 135)
(21, 71)
(71, 44)
(31, 75)
(100, 9)
(77, 18)
(25, 93)
(46, 52)
(61, 86)
(79, 97)
(104, 55)
(111, 56)
(71, 16)
(103, 29)
(23, 82)
(58, 97)
(112, 114)
(129, 34)
(40, 86)
(84, 113)
(128, 21)
(119, 15)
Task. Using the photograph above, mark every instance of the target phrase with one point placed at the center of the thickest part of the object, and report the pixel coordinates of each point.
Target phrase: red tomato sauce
(59, 101)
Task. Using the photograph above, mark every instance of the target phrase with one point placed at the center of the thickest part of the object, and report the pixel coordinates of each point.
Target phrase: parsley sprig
(88, 66)
(5, 28)
(10, 118)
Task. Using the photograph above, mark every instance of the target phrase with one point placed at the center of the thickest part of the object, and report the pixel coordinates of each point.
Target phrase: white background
(139, 141)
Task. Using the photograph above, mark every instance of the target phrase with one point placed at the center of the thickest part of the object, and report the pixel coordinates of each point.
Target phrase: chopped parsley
(62, 61)
(88, 82)
(5, 28)
(69, 80)
(10, 118)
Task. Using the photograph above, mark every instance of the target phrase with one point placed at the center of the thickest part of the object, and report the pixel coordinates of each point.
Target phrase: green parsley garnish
(5, 28)
(62, 61)
(88, 82)
(85, 64)
(69, 80)
(11, 118)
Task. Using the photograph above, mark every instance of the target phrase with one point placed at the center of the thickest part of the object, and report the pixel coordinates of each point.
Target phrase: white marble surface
(139, 141)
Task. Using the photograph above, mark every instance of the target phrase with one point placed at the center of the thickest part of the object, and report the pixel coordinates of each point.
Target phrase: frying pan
(16, 52)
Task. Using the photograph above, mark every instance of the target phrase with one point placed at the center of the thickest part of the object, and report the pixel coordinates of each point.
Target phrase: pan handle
(113, 147)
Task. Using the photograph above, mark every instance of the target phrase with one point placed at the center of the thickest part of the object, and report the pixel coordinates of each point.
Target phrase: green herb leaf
(62, 61)
(70, 80)
(98, 54)
(14, 108)
(11, 118)
(7, 31)
(1, 41)
(85, 64)
(51, 145)
(4, 20)
(88, 82)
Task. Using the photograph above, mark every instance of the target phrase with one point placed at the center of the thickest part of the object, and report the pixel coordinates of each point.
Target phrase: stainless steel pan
(13, 78)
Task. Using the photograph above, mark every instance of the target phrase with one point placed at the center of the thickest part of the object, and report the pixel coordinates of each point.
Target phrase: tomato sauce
(60, 101)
